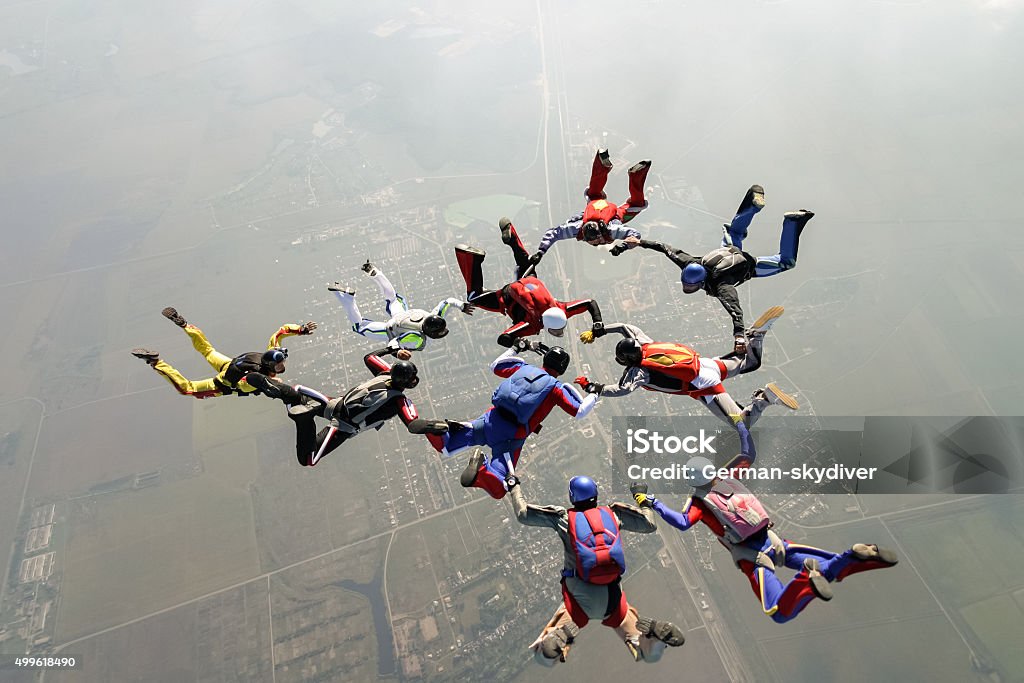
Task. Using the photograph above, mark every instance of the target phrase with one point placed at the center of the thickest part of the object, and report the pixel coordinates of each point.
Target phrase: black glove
(536, 257)
(618, 249)
(437, 427)
(521, 345)
(639, 491)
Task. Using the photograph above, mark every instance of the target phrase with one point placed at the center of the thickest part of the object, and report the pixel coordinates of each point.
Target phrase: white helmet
(697, 468)
(554, 320)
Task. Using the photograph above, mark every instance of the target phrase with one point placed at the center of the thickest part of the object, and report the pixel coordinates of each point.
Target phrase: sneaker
(506, 227)
(555, 643)
(819, 584)
(173, 315)
(802, 216)
(472, 468)
(765, 322)
(639, 166)
(665, 631)
(369, 269)
(150, 357)
(338, 287)
(777, 396)
(753, 198)
(873, 553)
(604, 158)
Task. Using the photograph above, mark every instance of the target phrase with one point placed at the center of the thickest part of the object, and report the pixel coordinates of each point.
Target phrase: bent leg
(371, 329)
(753, 201)
(792, 226)
(394, 303)
(779, 602)
(348, 302)
(548, 652)
(470, 262)
(636, 202)
(202, 345)
(204, 388)
(598, 176)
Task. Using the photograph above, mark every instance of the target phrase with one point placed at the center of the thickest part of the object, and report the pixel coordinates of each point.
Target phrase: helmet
(556, 360)
(581, 489)
(592, 230)
(403, 375)
(696, 467)
(434, 326)
(629, 352)
(693, 277)
(554, 320)
(271, 357)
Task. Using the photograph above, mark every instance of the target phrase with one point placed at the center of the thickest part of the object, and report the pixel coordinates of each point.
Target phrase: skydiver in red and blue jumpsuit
(504, 431)
(758, 555)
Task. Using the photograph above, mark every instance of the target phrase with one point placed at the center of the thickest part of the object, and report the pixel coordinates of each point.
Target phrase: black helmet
(628, 352)
(556, 360)
(403, 375)
(271, 357)
(592, 230)
(434, 326)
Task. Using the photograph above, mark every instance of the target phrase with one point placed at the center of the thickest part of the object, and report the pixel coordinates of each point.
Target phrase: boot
(472, 468)
(819, 584)
(151, 357)
(637, 177)
(765, 321)
(776, 396)
(368, 268)
(801, 216)
(872, 553)
(665, 631)
(754, 198)
(506, 227)
(558, 641)
(173, 315)
(338, 287)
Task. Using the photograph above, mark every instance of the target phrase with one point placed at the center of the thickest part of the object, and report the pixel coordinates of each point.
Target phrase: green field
(132, 553)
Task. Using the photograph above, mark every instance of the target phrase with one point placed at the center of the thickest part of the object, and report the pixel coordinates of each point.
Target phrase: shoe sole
(881, 555)
(470, 250)
(769, 316)
(172, 315)
(784, 398)
(820, 587)
(472, 469)
(146, 354)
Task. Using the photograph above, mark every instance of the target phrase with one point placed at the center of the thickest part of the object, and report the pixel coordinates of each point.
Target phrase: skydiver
(407, 329)
(366, 406)
(673, 368)
(518, 407)
(592, 573)
(526, 300)
(601, 222)
(741, 524)
(231, 372)
(720, 271)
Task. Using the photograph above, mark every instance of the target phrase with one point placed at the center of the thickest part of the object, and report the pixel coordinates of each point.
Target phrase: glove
(583, 382)
(521, 345)
(587, 337)
(468, 308)
(639, 491)
(307, 328)
(511, 481)
(437, 427)
(403, 354)
(739, 344)
(618, 249)
(536, 257)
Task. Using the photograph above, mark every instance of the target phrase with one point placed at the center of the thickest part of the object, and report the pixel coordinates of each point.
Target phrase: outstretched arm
(416, 424)
(683, 520)
(535, 515)
(290, 330)
(632, 379)
(677, 256)
(565, 231)
(443, 308)
(589, 306)
(730, 299)
(637, 520)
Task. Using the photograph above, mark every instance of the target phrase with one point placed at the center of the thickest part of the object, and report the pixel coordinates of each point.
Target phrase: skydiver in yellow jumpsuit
(231, 372)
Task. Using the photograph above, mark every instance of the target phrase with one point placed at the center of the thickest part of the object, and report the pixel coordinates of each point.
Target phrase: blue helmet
(693, 277)
(581, 489)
